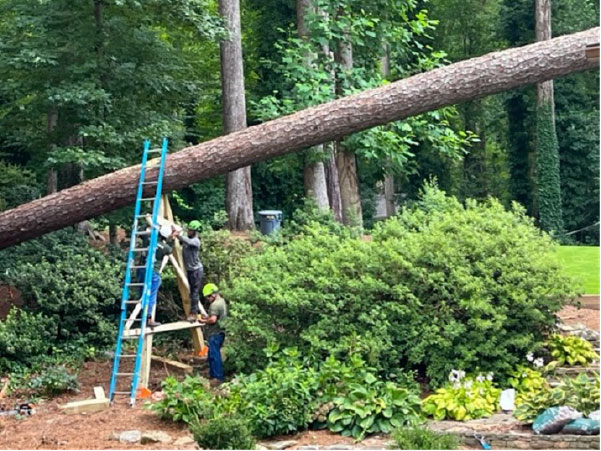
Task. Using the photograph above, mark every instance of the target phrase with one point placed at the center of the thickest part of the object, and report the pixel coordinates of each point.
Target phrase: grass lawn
(582, 263)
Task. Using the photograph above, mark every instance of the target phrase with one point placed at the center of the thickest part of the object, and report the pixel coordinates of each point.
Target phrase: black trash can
(270, 220)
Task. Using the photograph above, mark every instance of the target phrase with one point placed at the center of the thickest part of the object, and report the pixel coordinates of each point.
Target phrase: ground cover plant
(421, 438)
(473, 286)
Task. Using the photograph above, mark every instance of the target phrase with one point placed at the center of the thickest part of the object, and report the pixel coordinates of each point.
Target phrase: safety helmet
(209, 289)
(165, 231)
(195, 225)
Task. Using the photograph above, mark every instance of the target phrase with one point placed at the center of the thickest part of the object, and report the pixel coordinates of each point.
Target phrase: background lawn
(582, 263)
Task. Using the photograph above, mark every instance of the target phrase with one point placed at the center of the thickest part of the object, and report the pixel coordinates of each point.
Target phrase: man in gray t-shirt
(194, 270)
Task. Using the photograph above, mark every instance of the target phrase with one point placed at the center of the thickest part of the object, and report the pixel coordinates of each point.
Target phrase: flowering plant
(463, 398)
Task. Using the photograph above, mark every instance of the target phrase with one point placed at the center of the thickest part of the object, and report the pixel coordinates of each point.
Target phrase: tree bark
(547, 147)
(466, 80)
(239, 200)
(52, 175)
(314, 171)
(352, 213)
(389, 176)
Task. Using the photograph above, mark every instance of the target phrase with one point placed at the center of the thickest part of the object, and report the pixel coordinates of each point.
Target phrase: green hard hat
(195, 225)
(209, 289)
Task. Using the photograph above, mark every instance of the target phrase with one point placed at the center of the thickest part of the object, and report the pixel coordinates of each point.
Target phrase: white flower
(538, 362)
(461, 374)
(467, 384)
(456, 385)
(480, 378)
(489, 376)
(530, 357)
(454, 376)
(524, 375)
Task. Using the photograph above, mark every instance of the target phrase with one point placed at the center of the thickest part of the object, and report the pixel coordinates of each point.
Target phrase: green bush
(464, 399)
(17, 186)
(222, 432)
(418, 438)
(440, 286)
(221, 255)
(186, 401)
(573, 350)
(54, 381)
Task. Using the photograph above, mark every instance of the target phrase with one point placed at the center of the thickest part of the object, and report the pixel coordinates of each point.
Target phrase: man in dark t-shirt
(214, 330)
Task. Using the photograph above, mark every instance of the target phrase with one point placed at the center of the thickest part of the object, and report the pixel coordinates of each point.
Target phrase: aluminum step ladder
(131, 302)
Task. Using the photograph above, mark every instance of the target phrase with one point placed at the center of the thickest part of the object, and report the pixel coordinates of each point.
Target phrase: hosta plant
(572, 350)
(463, 399)
(526, 380)
(374, 406)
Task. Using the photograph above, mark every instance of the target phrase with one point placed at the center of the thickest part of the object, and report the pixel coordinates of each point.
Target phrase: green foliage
(464, 400)
(421, 438)
(572, 350)
(547, 171)
(371, 406)
(581, 393)
(186, 401)
(526, 381)
(221, 255)
(54, 381)
(223, 433)
(474, 286)
(17, 186)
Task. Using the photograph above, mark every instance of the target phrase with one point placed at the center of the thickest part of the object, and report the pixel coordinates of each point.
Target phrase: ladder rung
(131, 302)
(127, 355)
(136, 267)
(140, 216)
(135, 284)
(139, 249)
(147, 198)
(157, 150)
(124, 374)
(129, 337)
(122, 393)
(149, 183)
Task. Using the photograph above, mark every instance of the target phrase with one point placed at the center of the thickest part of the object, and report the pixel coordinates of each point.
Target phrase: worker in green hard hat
(214, 331)
(194, 269)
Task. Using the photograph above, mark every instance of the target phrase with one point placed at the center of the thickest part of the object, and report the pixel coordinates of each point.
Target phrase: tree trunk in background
(52, 176)
(333, 183)
(345, 160)
(547, 148)
(239, 200)
(314, 171)
(448, 85)
(389, 177)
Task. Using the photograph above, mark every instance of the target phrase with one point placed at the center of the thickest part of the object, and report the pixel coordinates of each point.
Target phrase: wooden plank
(99, 393)
(146, 362)
(592, 52)
(178, 325)
(86, 406)
(173, 365)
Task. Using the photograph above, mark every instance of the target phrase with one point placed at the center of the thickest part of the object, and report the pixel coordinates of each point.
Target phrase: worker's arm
(210, 320)
(192, 242)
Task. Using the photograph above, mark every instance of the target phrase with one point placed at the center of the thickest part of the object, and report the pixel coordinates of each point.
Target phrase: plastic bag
(554, 419)
(594, 415)
(582, 426)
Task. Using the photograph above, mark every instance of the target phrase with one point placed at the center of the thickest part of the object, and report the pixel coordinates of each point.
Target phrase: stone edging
(521, 440)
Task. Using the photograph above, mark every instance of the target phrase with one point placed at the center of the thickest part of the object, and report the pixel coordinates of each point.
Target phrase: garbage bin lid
(270, 212)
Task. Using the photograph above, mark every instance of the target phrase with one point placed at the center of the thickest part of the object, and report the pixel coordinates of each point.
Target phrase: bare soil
(572, 316)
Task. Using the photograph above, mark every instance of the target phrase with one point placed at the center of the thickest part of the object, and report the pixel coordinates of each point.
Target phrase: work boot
(151, 323)
(215, 382)
(192, 317)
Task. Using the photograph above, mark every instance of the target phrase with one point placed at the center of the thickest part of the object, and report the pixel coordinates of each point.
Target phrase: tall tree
(547, 148)
(239, 203)
(455, 83)
(314, 170)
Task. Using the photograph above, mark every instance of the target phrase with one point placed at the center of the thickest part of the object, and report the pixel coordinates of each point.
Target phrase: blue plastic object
(270, 221)
(132, 288)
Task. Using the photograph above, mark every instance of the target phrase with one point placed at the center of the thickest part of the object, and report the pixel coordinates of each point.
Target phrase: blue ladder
(139, 230)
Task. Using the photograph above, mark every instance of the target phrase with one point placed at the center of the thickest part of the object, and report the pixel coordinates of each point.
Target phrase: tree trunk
(331, 170)
(314, 172)
(389, 176)
(352, 212)
(52, 175)
(466, 80)
(239, 200)
(547, 147)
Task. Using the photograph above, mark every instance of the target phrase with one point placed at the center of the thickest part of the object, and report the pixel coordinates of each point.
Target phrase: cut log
(449, 85)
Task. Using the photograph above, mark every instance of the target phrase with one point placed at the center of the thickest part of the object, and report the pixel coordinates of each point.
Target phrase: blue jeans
(154, 290)
(215, 363)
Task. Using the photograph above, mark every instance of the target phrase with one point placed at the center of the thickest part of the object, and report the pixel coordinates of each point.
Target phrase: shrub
(223, 433)
(473, 286)
(186, 401)
(419, 438)
(54, 381)
(573, 350)
(464, 400)
(221, 255)
(17, 186)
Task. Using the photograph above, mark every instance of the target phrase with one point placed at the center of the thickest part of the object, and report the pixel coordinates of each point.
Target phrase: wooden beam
(592, 52)
(178, 325)
(86, 406)
(99, 393)
(173, 365)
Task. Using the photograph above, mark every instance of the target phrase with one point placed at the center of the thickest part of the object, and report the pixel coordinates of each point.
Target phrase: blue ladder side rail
(148, 268)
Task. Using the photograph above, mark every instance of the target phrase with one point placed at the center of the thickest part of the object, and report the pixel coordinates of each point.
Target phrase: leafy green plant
(421, 438)
(572, 350)
(465, 399)
(526, 380)
(581, 393)
(231, 432)
(452, 274)
(372, 406)
(186, 401)
(54, 381)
